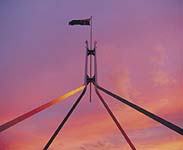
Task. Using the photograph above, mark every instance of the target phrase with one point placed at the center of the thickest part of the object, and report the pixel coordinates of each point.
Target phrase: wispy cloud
(161, 76)
(125, 85)
(102, 145)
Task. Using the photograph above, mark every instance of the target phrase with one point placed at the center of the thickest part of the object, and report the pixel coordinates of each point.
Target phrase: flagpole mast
(90, 56)
(91, 34)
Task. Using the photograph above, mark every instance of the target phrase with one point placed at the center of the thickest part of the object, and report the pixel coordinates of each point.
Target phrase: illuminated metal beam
(64, 121)
(115, 120)
(38, 109)
(145, 112)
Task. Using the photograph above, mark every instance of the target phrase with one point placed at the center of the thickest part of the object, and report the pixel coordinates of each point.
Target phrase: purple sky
(139, 53)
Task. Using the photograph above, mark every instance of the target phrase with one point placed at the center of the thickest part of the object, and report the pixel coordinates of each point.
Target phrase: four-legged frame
(91, 79)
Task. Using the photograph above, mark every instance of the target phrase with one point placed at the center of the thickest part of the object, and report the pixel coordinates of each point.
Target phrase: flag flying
(80, 22)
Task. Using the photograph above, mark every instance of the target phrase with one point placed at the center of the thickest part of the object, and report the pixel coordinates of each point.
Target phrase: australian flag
(80, 22)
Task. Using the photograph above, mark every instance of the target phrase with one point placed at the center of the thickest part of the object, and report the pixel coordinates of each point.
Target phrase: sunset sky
(139, 55)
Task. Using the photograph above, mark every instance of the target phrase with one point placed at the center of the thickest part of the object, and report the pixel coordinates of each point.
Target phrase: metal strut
(64, 121)
(94, 81)
(88, 78)
(115, 120)
(39, 109)
(145, 112)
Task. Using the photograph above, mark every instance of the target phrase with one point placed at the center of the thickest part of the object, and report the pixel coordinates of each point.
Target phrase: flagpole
(90, 56)
(91, 34)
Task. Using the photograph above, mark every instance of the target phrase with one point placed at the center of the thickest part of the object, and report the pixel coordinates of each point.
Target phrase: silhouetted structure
(91, 79)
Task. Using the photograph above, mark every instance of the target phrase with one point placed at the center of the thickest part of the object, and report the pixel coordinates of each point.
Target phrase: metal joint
(91, 52)
(89, 80)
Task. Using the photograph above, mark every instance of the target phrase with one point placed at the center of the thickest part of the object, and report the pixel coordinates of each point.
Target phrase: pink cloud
(160, 74)
(162, 78)
(125, 86)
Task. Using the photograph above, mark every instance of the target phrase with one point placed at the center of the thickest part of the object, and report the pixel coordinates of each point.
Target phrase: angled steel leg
(115, 120)
(145, 112)
(39, 109)
(64, 121)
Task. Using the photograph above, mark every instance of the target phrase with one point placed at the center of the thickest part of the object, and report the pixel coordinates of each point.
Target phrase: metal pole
(64, 121)
(115, 120)
(38, 109)
(90, 56)
(86, 64)
(95, 62)
(145, 112)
